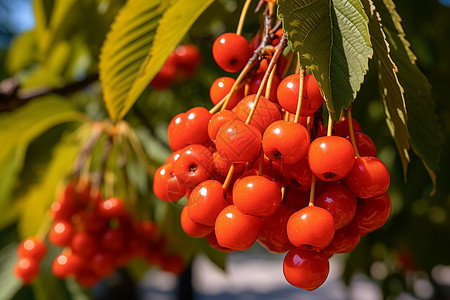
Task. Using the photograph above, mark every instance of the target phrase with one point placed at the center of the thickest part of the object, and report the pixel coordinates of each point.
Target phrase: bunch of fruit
(181, 65)
(265, 168)
(98, 235)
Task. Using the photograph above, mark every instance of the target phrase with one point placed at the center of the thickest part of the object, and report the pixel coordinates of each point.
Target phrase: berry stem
(300, 94)
(242, 17)
(269, 82)
(286, 116)
(261, 161)
(308, 123)
(352, 132)
(97, 130)
(330, 124)
(236, 85)
(227, 180)
(313, 190)
(273, 61)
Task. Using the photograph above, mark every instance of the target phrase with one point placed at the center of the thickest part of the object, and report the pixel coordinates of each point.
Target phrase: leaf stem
(352, 132)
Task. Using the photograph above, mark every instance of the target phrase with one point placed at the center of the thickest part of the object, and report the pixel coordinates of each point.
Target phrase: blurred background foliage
(55, 54)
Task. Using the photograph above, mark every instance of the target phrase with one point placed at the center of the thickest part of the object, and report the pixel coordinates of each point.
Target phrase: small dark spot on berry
(329, 175)
(234, 61)
(192, 168)
(308, 247)
(277, 154)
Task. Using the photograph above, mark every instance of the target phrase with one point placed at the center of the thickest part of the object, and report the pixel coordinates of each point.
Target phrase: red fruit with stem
(205, 202)
(288, 92)
(166, 185)
(364, 144)
(221, 87)
(341, 128)
(212, 241)
(113, 239)
(235, 230)
(231, 52)
(238, 142)
(111, 208)
(26, 269)
(345, 240)
(61, 267)
(61, 233)
(269, 168)
(33, 248)
(298, 174)
(222, 166)
(331, 158)
(368, 178)
(189, 128)
(266, 112)
(256, 83)
(218, 120)
(311, 228)
(193, 228)
(273, 234)
(194, 165)
(339, 201)
(257, 196)
(307, 270)
(285, 142)
(372, 213)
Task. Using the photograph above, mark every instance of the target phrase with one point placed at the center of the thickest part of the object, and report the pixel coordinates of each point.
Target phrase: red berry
(194, 165)
(257, 196)
(273, 234)
(189, 128)
(61, 233)
(364, 144)
(331, 157)
(340, 202)
(103, 264)
(188, 60)
(265, 114)
(238, 142)
(235, 230)
(269, 168)
(221, 87)
(113, 239)
(166, 74)
(111, 208)
(295, 198)
(341, 127)
(288, 91)
(84, 244)
(173, 263)
(231, 52)
(285, 142)
(193, 228)
(33, 248)
(61, 266)
(345, 240)
(256, 83)
(205, 202)
(311, 228)
(93, 222)
(87, 278)
(298, 174)
(372, 213)
(222, 166)
(26, 269)
(218, 120)
(212, 241)
(307, 270)
(368, 178)
(166, 185)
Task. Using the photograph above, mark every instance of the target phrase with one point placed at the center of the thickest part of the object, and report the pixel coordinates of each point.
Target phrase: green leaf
(36, 202)
(332, 38)
(21, 127)
(424, 128)
(9, 284)
(141, 38)
(21, 52)
(391, 92)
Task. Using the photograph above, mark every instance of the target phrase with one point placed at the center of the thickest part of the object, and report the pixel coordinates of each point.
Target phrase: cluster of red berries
(293, 187)
(180, 66)
(97, 236)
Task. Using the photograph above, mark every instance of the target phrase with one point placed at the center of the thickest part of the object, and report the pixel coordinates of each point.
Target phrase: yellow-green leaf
(19, 129)
(141, 38)
(36, 202)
